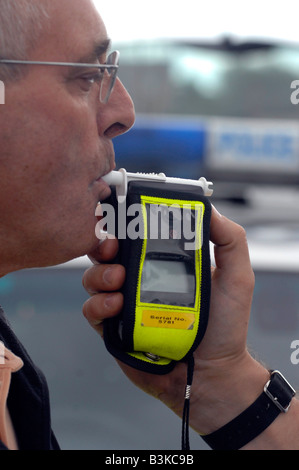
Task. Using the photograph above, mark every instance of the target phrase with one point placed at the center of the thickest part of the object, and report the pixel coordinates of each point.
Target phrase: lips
(109, 165)
(105, 189)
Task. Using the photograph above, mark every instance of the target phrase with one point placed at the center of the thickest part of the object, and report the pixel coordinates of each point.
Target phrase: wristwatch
(275, 399)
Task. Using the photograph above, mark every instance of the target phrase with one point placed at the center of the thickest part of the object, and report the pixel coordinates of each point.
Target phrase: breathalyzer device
(162, 225)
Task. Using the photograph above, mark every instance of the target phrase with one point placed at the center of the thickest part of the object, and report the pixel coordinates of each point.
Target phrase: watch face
(279, 391)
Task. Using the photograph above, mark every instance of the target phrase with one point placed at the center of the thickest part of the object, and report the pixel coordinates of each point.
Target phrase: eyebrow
(98, 50)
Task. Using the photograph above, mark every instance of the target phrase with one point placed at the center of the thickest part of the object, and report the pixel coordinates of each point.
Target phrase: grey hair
(21, 23)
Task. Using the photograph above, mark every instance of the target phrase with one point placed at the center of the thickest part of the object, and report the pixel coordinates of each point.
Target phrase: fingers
(102, 282)
(231, 248)
(105, 251)
(232, 290)
(103, 278)
(100, 307)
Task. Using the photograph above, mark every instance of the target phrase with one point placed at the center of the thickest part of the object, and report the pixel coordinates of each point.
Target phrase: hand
(103, 282)
(222, 363)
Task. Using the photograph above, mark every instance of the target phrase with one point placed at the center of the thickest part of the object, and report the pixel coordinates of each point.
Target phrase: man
(56, 144)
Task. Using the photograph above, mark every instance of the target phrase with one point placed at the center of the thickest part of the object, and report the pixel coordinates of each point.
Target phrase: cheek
(49, 156)
(53, 132)
(55, 156)
(50, 189)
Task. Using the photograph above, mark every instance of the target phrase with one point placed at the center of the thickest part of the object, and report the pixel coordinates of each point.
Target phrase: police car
(225, 109)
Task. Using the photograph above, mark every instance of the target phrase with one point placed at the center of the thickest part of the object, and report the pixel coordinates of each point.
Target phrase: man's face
(56, 143)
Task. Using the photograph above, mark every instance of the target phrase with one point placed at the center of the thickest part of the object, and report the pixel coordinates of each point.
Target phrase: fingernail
(109, 301)
(108, 275)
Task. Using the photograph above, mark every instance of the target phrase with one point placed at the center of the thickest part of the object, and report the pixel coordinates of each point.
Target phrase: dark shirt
(28, 398)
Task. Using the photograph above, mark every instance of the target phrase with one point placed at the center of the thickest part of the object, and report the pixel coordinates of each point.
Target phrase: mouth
(105, 193)
(112, 167)
(105, 190)
(108, 167)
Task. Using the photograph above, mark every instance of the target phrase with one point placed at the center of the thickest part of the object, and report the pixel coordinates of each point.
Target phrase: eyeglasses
(106, 77)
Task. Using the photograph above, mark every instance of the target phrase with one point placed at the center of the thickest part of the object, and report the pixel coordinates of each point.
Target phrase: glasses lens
(109, 77)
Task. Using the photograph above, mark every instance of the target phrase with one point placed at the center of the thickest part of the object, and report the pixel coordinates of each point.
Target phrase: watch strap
(275, 399)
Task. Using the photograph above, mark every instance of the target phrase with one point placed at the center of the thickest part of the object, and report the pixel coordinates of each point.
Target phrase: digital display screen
(166, 276)
(168, 270)
(167, 282)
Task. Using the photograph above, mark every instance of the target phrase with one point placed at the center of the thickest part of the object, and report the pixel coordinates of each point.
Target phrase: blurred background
(212, 82)
(212, 89)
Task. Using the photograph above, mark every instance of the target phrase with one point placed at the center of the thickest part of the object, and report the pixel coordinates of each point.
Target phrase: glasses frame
(111, 65)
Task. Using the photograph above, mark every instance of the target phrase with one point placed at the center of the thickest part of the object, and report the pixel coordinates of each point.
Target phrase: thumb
(231, 247)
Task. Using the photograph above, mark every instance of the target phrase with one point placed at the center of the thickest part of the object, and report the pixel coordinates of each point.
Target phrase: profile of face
(56, 143)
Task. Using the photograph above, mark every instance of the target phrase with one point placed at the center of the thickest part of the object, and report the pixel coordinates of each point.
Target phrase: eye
(87, 80)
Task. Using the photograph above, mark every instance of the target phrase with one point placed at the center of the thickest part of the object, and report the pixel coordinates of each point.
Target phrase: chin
(86, 248)
(74, 252)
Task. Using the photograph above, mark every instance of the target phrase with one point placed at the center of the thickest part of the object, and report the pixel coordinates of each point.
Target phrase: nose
(118, 115)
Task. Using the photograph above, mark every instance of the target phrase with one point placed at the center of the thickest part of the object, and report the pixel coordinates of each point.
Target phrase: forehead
(75, 31)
